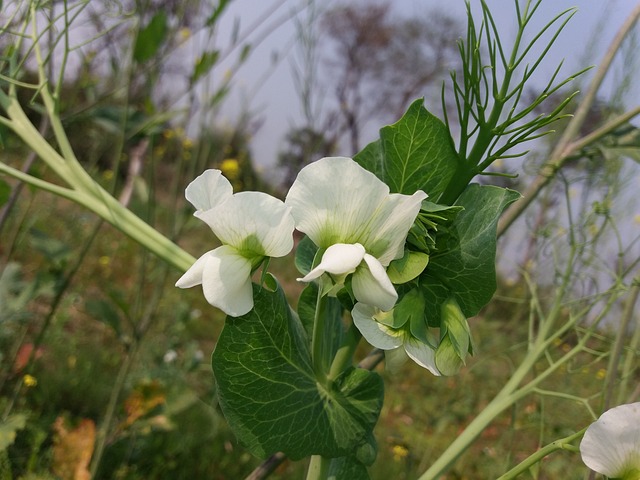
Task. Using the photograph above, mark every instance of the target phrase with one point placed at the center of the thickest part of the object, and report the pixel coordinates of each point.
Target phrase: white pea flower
(611, 445)
(250, 226)
(398, 343)
(348, 211)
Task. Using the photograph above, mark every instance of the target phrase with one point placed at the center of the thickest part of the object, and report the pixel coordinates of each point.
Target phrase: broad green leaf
(269, 393)
(466, 270)
(151, 37)
(408, 267)
(8, 429)
(347, 468)
(415, 153)
(204, 64)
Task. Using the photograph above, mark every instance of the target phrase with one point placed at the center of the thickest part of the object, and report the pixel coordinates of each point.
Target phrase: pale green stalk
(564, 148)
(318, 468)
(512, 390)
(565, 443)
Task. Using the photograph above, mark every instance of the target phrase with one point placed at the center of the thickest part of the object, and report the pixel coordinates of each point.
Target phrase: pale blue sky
(581, 44)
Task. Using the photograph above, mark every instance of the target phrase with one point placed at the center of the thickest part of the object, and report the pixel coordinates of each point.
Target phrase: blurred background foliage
(104, 365)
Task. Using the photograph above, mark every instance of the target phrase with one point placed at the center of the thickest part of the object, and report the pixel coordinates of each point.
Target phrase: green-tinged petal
(377, 334)
(334, 199)
(611, 445)
(255, 223)
(226, 281)
(421, 353)
(208, 190)
(338, 259)
(372, 286)
(387, 233)
(395, 359)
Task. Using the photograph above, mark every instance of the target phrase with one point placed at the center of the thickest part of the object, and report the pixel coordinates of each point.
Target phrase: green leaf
(217, 11)
(455, 325)
(447, 359)
(305, 253)
(466, 270)
(151, 38)
(104, 311)
(270, 396)
(416, 153)
(5, 192)
(204, 64)
(54, 250)
(9, 427)
(347, 468)
(408, 267)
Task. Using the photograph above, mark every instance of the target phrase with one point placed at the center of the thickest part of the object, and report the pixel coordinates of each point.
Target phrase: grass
(167, 423)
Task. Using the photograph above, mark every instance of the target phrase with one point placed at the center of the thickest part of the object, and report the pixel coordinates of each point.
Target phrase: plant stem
(318, 468)
(344, 355)
(561, 444)
(562, 150)
(317, 339)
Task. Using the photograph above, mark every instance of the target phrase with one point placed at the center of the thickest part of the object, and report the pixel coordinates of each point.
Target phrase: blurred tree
(378, 64)
(304, 145)
(375, 66)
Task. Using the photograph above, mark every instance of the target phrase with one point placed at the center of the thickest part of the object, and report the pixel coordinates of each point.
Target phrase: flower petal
(255, 223)
(208, 190)
(421, 353)
(193, 276)
(611, 445)
(226, 281)
(333, 200)
(390, 225)
(377, 334)
(338, 259)
(394, 359)
(371, 285)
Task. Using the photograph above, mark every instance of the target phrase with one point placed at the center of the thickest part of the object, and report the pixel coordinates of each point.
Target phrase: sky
(269, 89)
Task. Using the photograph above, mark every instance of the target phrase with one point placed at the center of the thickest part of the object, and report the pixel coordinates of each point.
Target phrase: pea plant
(396, 249)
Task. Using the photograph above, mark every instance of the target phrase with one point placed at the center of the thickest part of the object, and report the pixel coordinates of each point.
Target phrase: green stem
(318, 468)
(561, 444)
(317, 343)
(344, 355)
(101, 437)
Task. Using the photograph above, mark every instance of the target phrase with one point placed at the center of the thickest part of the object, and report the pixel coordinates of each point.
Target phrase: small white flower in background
(250, 225)
(348, 211)
(611, 445)
(398, 343)
(170, 356)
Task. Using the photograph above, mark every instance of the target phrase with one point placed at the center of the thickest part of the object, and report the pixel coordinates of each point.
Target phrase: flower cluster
(349, 214)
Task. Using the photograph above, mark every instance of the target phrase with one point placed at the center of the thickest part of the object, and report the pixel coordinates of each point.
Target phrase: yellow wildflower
(29, 381)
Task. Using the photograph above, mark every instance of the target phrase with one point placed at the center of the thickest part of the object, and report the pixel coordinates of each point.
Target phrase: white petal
(390, 225)
(421, 353)
(394, 359)
(333, 200)
(255, 223)
(208, 190)
(338, 259)
(226, 281)
(377, 334)
(611, 445)
(193, 276)
(371, 285)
